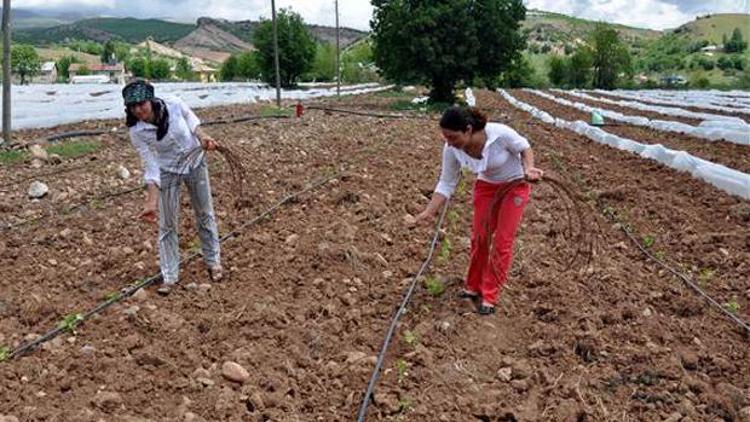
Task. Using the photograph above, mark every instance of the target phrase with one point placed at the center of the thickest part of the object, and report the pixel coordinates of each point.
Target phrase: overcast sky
(655, 14)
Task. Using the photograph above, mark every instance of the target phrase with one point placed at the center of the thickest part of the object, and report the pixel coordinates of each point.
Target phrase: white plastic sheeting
(699, 99)
(37, 106)
(471, 100)
(735, 132)
(669, 111)
(724, 178)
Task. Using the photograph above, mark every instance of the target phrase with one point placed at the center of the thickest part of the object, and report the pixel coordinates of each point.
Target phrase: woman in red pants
(501, 159)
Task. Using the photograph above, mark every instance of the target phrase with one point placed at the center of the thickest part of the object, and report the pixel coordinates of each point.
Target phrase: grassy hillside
(713, 27)
(102, 29)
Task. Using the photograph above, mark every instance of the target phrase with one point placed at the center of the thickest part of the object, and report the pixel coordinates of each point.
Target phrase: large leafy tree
(442, 42)
(610, 56)
(296, 48)
(25, 62)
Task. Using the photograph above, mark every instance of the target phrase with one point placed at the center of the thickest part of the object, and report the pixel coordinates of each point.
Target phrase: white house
(49, 73)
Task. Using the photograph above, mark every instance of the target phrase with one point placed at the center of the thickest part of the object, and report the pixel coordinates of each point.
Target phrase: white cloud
(53, 4)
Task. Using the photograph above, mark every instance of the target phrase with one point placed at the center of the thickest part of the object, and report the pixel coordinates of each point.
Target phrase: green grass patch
(392, 93)
(4, 353)
(273, 111)
(14, 156)
(73, 149)
(428, 107)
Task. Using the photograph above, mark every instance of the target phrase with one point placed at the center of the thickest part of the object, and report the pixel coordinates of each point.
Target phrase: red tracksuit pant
(490, 261)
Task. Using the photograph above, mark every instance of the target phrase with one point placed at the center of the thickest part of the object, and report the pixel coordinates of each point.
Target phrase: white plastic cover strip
(38, 106)
(669, 111)
(724, 178)
(735, 132)
(704, 101)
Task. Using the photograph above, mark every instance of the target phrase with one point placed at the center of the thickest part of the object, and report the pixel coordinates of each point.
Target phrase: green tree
(122, 51)
(725, 63)
(25, 62)
(84, 71)
(442, 42)
(558, 71)
(296, 48)
(521, 74)
(324, 65)
(247, 66)
(610, 56)
(229, 69)
(736, 43)
(160, 69)
(358, 64)
(63, 66)
(139, 67)
(580, 68)
(183, 70)
(108, 52)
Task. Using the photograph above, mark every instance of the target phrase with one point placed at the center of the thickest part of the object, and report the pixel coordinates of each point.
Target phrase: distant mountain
(42, 18)
(103, 29)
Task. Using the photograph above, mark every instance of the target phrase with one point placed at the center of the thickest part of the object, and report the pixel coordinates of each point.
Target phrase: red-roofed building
(115, 72)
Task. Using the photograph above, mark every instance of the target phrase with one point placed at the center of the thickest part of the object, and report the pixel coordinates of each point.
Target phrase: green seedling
(660, 255)
(732, 306)
(402, 367)
(113, 297)
(404, 405)
(4, 353)
(410, 338)
(435, 287)
(705, 276)
(648, 241)
(70, 322)
(445, 250)
(97, 204)
(453, 218)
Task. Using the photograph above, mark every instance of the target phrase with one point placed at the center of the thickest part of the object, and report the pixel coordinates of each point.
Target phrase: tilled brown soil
(742, 116)
(311, 291)
(732, 155)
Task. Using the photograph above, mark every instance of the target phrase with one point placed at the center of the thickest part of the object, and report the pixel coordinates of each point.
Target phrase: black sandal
(486, 309)
(464, 294)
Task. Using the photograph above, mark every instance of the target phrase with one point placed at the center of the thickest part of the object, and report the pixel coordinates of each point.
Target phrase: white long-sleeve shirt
(167, 154)
(500, 162)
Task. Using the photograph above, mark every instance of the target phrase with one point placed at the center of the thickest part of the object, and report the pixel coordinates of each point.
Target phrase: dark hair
(459, 118)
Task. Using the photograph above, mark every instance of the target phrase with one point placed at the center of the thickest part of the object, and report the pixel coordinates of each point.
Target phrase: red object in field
(299, 110)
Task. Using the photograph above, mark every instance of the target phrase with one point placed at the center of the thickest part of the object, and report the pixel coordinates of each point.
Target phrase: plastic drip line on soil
(742, 324)
(129, 291)
(367, 113)
(399, 313)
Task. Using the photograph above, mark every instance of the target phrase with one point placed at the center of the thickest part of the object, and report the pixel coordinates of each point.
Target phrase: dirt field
(312, 289)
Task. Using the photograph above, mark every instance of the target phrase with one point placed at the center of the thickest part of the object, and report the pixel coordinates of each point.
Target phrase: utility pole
(338, 53)
(275, 54)
(6, 72)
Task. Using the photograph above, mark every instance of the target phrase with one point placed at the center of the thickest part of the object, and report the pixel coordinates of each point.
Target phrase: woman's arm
(449, 175)
(532, 173)
(151, 178)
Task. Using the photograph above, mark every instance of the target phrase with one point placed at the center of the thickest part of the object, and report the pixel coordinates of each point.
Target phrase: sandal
(215, 274)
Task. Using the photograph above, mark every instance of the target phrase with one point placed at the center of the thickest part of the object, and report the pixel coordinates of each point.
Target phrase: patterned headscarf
(139, 91)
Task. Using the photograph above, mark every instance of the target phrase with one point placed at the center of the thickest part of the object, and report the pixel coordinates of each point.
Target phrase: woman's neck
(476, 144)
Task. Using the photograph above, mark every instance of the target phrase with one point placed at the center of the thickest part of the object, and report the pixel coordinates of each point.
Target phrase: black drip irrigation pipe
(394, 322)
(685, 279)
(366, 113)
(65, 326)
(80, 133)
